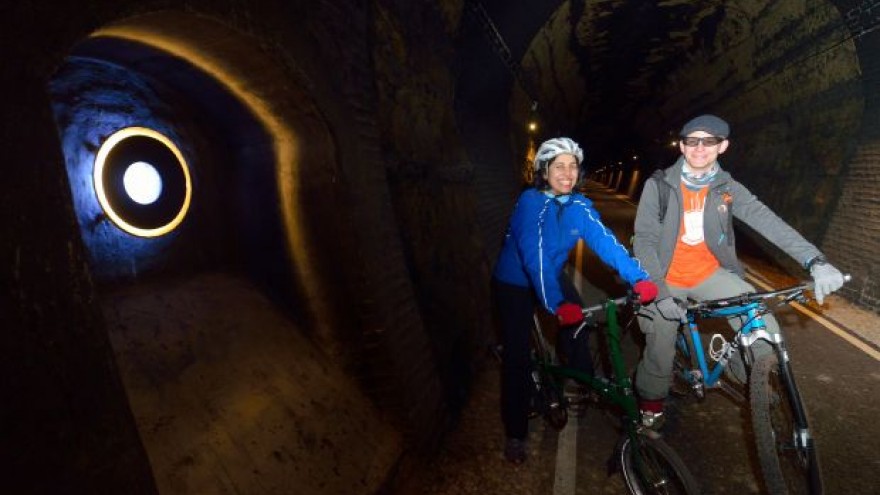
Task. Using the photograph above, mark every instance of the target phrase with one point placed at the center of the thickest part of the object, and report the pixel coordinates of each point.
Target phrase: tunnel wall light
(142, 182)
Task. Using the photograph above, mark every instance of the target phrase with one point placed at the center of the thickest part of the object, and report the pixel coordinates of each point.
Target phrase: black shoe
(515, 450)
(652, 415)
(653, 420)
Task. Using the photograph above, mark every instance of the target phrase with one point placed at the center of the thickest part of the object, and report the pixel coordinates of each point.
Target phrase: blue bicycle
(786, 448)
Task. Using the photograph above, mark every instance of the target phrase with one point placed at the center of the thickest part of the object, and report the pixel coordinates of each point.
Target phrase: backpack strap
(663, 191)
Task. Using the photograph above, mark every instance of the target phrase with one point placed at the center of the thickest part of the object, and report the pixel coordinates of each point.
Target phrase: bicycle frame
(752, 330)
(784, 445)
(618, 391)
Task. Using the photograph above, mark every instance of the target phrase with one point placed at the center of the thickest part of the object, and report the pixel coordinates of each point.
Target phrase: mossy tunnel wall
(352, 167)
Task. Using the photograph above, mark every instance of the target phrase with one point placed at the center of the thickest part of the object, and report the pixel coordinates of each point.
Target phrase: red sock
(654, 406)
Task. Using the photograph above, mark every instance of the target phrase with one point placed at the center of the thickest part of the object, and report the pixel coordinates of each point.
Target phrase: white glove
(826, 279)
(670, 310)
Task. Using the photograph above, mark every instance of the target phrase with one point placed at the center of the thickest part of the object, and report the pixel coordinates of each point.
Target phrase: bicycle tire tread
(765, 442)
(686, 480)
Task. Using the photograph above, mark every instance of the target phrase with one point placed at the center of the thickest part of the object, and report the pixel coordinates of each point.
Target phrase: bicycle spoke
(651, 467)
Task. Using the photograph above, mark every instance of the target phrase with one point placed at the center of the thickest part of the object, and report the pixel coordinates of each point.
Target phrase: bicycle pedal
(652, 421)
(495, 351)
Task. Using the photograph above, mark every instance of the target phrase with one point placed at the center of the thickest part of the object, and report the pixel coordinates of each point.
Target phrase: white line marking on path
(565, 476)
(835, 329)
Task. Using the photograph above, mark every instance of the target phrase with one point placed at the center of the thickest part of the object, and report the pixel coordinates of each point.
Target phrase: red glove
(646, 291)
(569, 314)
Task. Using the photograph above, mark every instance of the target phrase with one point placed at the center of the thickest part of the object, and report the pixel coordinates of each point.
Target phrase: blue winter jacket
(542, 232)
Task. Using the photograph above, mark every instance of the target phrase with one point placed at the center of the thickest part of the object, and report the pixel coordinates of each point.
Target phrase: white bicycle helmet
(552, 148)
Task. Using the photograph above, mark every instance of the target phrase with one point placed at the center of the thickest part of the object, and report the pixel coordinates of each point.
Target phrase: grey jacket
(654, 242)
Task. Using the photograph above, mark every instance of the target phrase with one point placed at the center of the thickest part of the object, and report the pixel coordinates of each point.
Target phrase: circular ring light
(142, 182)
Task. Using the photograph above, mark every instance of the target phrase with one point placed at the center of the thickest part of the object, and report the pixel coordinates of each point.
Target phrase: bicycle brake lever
(799, 295)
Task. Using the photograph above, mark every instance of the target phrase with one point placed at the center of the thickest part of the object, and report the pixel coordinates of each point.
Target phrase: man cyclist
(547, 222)
(689, 250)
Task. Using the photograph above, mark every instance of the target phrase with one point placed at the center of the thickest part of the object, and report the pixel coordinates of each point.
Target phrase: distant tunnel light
(142, 182)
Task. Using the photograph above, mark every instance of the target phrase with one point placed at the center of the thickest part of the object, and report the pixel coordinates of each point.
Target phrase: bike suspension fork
(803, 437)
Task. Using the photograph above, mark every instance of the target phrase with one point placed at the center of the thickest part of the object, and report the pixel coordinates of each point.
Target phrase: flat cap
(707, 123)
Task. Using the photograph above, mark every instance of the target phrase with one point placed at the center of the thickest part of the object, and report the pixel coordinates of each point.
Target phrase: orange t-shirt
(692, 262)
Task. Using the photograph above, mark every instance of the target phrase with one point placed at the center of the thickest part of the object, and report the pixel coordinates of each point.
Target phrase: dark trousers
(574, 350)
(516, 306)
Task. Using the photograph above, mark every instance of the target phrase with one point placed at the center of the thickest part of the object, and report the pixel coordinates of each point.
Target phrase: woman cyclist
(548, 220)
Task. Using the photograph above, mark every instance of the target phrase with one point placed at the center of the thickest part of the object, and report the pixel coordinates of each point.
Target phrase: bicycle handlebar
(792, 292)
(588, 310)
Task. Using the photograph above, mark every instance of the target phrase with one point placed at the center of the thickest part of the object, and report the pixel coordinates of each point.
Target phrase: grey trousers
(654, 373)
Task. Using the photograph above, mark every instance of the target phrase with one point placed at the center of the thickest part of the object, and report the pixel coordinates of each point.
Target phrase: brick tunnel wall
(853, 234)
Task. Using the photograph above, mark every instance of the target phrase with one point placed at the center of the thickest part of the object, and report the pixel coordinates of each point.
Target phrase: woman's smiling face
(562, 174)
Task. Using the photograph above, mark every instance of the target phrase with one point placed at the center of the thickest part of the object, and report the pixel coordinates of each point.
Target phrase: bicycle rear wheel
(651, 466)
(786, 450)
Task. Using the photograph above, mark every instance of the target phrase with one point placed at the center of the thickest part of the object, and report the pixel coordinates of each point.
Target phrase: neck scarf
(693, 181)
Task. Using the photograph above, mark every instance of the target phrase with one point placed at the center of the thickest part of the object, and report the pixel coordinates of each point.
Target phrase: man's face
(562, 174)
(701, 156)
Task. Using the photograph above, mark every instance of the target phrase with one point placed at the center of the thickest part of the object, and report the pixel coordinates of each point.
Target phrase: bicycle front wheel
(651, 466)
(786, 450)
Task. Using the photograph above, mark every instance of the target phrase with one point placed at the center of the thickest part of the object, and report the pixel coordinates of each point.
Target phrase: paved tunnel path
(840, 383)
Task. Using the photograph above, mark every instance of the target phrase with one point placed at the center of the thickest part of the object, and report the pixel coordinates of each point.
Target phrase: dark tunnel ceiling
(624, 50)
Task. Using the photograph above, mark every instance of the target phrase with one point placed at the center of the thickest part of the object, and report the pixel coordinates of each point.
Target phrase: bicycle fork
(802, 438)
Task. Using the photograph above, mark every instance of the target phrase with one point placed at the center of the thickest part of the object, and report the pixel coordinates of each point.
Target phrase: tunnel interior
(621, 77)
(352, 170)
(107, 84)
(179, 304)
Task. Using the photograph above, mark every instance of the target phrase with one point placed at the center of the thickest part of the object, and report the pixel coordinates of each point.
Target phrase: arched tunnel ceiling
(623, 74)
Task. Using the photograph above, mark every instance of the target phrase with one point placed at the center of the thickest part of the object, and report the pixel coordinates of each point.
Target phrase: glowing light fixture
(142, 182)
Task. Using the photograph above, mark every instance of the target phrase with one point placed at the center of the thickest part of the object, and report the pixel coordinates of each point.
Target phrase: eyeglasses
(707, 141)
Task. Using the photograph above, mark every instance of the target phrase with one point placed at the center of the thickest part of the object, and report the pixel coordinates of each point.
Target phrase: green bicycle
(647, 463)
